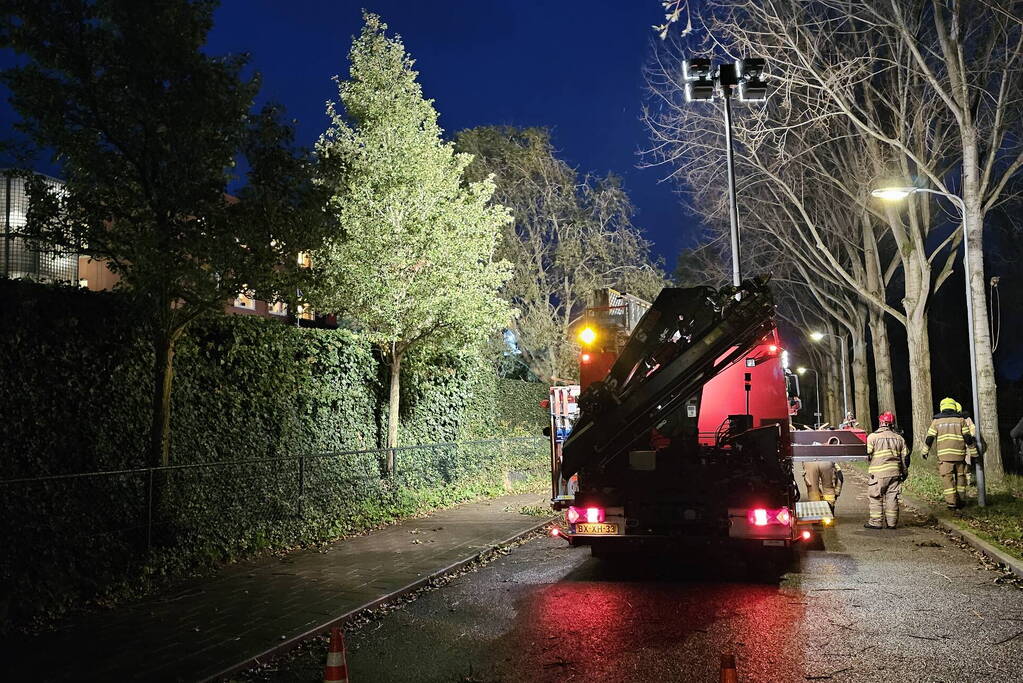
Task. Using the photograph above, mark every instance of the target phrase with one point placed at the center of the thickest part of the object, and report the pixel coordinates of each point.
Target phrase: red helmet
(886, 418)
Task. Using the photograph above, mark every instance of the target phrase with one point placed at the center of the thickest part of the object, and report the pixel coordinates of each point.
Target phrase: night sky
(572, 66)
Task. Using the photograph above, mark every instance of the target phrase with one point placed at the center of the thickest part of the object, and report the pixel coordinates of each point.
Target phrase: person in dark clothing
(1017, 431)
(1017, 437)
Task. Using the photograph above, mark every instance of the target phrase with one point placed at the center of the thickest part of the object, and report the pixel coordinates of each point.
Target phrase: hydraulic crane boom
(685, 339)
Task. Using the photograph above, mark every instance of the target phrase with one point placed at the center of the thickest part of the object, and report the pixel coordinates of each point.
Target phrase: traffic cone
(728, 674)
(336, 670)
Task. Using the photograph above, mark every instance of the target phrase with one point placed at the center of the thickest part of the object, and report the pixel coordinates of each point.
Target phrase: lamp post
(703, 84)
(898, 194)
(816, 392)
(818, 336)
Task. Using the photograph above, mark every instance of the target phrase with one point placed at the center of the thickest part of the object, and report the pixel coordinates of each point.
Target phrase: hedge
(75, 391)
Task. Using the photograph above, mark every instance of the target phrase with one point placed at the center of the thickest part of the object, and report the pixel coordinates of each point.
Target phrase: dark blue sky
(574, 66)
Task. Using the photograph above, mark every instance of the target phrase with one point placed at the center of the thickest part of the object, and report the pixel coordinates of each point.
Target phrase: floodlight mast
(703, 83)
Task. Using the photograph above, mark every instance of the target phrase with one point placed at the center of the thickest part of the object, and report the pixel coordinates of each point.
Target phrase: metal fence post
(301, 484)
(505, 466)
(149, 513)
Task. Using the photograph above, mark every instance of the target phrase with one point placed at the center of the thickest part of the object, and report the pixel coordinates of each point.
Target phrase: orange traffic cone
(728, 673)
(336, 670)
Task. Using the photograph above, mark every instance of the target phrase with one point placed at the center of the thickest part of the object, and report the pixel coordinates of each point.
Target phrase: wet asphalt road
(895, 605)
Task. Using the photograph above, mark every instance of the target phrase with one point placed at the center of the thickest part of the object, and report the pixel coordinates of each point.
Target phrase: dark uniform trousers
(883, 499)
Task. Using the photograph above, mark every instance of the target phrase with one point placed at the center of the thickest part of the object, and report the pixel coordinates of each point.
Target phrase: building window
(18, 257)
(245, 301)
(277, 308)
(304, 260)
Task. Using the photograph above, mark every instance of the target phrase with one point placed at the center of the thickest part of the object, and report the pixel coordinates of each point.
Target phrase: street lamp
(898, 193)
(816, 390)
(704, 82)
(819, 336)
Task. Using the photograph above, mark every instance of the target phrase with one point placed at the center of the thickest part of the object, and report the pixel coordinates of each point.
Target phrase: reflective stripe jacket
(952, 434)
(886, 453)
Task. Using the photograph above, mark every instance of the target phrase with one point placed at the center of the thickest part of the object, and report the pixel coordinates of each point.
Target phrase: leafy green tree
(147, 129)
(415, 266)
(571, 235)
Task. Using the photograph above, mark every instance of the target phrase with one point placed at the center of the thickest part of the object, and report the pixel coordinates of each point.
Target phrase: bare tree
(956, 65)
(820, 160)
(571, 235)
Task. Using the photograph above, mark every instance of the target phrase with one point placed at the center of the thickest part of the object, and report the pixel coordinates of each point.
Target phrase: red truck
(679, 435)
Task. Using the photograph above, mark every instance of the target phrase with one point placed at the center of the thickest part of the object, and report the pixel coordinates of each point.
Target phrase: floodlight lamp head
(752, 90)
(816, 336)
(893, 194)
(751, 67)
(801, 370)
(700, 91)
(696, 69)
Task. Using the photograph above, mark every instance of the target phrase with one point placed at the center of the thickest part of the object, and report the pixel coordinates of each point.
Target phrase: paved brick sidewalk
(211, 624)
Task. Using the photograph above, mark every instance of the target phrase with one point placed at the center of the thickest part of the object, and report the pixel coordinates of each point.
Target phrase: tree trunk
(830, 391)
(393, 403)
(985, 414)
(918, 341)
(861, 376)
(163, 376)
(883, 386)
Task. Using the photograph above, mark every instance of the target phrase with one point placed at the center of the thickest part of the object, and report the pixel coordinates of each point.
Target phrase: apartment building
(19, 260)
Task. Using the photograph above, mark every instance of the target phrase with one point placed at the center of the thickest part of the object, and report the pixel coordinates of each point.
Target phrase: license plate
(597, 529)
(779, 543)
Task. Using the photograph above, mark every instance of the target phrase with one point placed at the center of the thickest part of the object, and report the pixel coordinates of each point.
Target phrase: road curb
(976, 542)
(944, 520)
(290, 643)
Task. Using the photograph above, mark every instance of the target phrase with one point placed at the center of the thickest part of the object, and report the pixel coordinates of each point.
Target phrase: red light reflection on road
(639, 630)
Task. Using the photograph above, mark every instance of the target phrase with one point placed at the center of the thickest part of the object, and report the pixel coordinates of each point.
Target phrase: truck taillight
(763, 516)
(589, 515)
(757, 517)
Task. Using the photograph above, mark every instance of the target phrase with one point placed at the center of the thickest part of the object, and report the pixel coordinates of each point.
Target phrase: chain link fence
(74, 535)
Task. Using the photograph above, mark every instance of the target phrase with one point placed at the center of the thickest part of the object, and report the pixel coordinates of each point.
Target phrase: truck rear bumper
(632, 543)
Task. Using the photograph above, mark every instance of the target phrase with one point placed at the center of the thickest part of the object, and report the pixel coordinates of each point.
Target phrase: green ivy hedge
(75, 388)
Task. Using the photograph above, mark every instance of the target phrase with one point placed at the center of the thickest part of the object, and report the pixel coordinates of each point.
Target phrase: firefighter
(954, 435)
(819, 476)
(889, 467)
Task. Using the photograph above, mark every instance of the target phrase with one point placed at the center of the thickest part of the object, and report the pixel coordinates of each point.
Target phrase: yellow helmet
(948, 404)
(959, 407)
